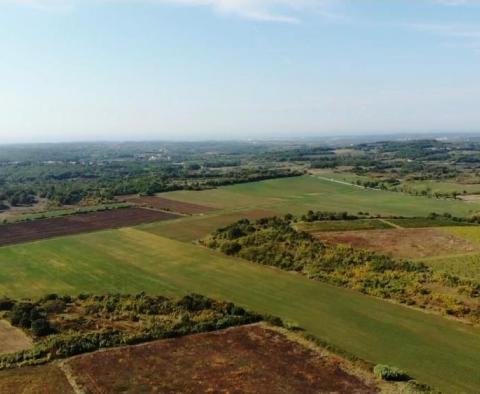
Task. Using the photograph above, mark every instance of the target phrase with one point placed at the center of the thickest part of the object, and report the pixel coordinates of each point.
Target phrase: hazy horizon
(121, 70)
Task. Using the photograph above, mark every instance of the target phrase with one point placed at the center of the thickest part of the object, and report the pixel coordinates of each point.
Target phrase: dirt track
(76, 224)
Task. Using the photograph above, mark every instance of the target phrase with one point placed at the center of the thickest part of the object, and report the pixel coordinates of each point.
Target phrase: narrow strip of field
(75, 224)
(343, 225)
(298, 194)
(194, 228)
(435, 350)
(170, 205)
(249, 359)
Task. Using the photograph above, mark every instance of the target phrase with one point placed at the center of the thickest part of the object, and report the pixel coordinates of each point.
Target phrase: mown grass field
(196, 227)
(298, 195)
(438, 351)
(433, 185)
(426, 222)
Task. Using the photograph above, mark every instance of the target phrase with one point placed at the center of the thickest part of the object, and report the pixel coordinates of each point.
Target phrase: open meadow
(299, 194)
(435, 350)
(464, 265)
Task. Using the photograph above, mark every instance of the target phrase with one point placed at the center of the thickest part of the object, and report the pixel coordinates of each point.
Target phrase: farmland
(435, 350)
(416, 243)
(75, 224)
(159, 256)
(344, 225)
(245, 359)
(298, 195)
(465, 265)
(169, 205)
(45, 379)
(194, 228)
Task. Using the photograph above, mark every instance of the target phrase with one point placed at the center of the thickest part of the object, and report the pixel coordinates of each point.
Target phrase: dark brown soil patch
(170, 205)
(249, 359)
(80, 223)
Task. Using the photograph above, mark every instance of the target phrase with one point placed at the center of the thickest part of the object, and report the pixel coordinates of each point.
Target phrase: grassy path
(440, 352)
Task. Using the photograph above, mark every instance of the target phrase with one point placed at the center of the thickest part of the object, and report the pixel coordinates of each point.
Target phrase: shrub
(386, 372)
(6, 304)
(54, 306)
(41, 327)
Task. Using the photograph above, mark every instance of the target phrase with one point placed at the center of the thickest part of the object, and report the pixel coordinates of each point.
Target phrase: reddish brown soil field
(170, 205)
(45, 379)
(75, 224)
(250, 359)
(411, 243)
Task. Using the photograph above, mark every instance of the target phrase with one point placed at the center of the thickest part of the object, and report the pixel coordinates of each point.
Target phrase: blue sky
(190, 69)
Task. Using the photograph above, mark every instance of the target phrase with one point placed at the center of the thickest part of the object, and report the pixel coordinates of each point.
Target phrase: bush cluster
(274, 241)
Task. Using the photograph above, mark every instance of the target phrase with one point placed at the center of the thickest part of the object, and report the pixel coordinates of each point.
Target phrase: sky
(76, 70)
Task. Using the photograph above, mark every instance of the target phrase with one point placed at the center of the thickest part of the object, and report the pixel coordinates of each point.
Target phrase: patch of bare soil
(79, 223)
(170, 205)
(249, 359)
(469, 197)
(413, 243)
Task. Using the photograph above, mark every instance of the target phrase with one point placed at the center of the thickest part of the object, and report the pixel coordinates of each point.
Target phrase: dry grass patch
(414, 243)
(12, 339)
(45, 379)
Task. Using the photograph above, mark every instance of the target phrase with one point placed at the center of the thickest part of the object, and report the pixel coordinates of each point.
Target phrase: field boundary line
(391, 224)
(67, 371)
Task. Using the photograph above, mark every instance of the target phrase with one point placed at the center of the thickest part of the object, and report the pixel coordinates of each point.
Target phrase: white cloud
(286, 11)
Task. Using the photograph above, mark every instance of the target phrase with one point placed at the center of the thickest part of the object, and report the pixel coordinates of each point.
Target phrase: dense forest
(68, 174)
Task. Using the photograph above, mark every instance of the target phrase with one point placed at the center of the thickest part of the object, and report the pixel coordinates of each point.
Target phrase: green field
(470, 233)
(444, 187)
(299, 194)
(438, 351)
(465, 266)
(426, 222)
(192, 228)
(433, 186)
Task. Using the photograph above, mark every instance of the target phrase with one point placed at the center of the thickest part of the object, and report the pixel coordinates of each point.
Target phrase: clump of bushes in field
(389, 373)
(102, 321)
(275, 242)
(313, 216)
